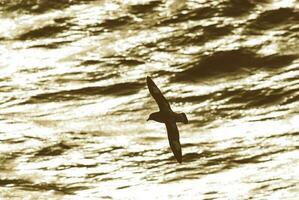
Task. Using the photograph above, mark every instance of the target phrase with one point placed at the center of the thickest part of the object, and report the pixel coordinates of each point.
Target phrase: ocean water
(74, 100)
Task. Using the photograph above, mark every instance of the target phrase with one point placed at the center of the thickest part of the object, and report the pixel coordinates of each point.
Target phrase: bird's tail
(181, 117)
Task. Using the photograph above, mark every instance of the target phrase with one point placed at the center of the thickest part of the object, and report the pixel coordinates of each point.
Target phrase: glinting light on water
(74, 99)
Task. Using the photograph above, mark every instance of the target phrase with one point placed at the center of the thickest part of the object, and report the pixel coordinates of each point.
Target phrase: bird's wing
(157, 94)
(174, 140)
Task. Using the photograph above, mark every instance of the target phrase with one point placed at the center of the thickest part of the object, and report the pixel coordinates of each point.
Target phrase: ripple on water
(54, 150)
(33, 6)
(32, 186)
(198, 35)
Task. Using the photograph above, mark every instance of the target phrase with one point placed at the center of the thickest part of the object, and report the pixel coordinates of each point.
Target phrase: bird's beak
(148, 119)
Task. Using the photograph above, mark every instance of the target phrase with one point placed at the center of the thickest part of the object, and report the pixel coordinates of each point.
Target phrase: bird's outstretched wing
(174, 140)
(157, 94)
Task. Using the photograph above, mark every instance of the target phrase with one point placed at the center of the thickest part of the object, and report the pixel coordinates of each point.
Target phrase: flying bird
(168, 117)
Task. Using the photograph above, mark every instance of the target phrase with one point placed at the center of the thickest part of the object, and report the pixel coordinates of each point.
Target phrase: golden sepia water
(74, 100)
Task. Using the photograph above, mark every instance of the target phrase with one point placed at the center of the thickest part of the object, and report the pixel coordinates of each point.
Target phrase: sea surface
(74, 100)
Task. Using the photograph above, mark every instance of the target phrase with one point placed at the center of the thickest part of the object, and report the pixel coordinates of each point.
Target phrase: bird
(168, 117)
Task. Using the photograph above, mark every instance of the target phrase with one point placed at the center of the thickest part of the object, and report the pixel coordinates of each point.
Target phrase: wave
(236, 8)
(37, 6)
(279, 19)
(115, 23)
(142, 9)
(120, 89)
(225, 62)
(192, 14)
(46, 31)
(270, 18)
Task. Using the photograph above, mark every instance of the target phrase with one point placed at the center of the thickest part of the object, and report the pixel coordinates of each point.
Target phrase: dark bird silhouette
(168, 117)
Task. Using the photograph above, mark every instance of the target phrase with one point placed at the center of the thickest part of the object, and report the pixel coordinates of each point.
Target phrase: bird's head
(156, 116)
(151, 117)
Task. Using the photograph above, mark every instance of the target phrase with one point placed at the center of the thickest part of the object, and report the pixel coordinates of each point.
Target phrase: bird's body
(168, 117)
(163, 117)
